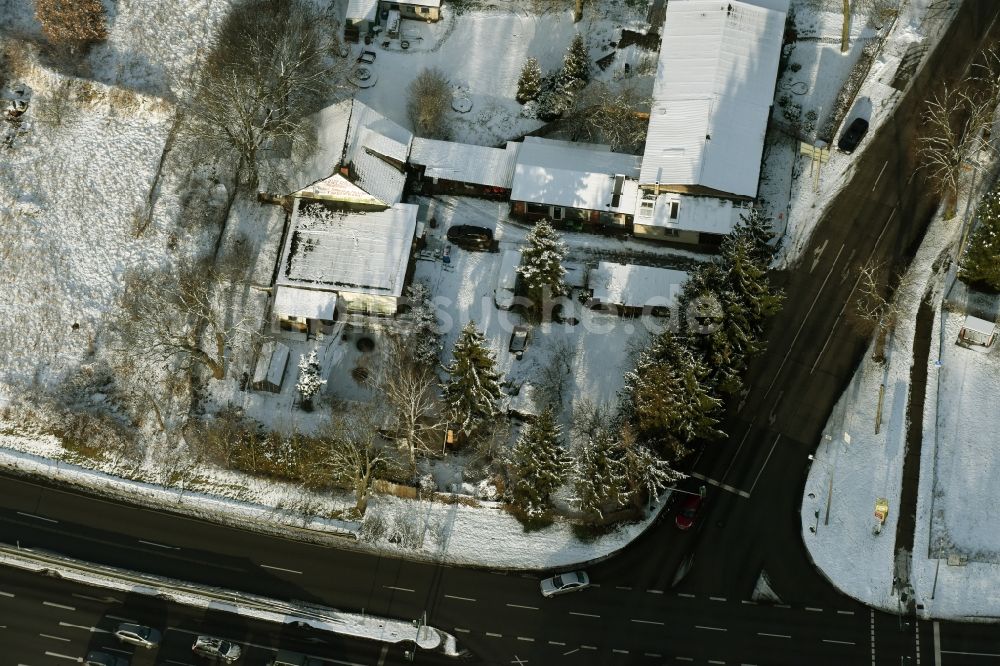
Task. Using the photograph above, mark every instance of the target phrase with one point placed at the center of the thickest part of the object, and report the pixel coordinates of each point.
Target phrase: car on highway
(98, 658)
(852, 136)
(216, 648)
(688, 512)
(570, 581)
(471, 237)
(136, 634)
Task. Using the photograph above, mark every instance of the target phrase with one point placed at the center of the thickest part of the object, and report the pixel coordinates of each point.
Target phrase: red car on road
(688, 512)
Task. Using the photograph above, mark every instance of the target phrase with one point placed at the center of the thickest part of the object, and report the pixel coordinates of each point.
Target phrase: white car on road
(570, 581)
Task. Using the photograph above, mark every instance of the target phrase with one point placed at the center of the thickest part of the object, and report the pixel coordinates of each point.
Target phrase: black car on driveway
(470, 237)
(852, 136)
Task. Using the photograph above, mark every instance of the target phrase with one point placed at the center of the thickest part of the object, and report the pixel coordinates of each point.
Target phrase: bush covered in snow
(980, 265)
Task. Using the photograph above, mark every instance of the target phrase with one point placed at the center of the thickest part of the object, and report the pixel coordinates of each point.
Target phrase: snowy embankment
(420, 530)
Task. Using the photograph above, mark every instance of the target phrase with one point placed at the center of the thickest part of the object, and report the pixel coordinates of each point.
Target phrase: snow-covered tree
(529, 84)
(425, 334)
(472, 394)
(554, 101)
(646, 474)
(600, 474)
(353, 457)
(429, 103)
(538, 465)
(310, 382)
(541, 267)
(72, 23)
(756, 227)
(980, 265)
(576, 62)
(669, 399)
(609, 114)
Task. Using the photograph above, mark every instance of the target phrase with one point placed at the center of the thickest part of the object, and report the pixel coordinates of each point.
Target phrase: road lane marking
(699, 626)
(655, 591)
(93, 630)
(762, 467)
(452, 596)
(31, 515)
(684, 658)
(971, 654)
(571, 651)
(802, 325)
(719, 484)
(527, 639)
(875, 184)
(461, 630)
(654, 655)
(61, 656)
(588, 647)
(584, 614)
(55, 638)
(763, 633)
(6, 594)
(685, 595)
(717, 598)
(782, 606)
(524, 607)
(382, 655)
(617, 651)
(55, 605)
(104, 600)
(748, 602)
(818, 254)
(657, 622)
(160, 545)
(492, 635)
(814, 610)
(622, 587)
(398, 589)
(840, 612)
(557, 643)
(291, 571)
(830, 640)
(937, 644)
(715, 661)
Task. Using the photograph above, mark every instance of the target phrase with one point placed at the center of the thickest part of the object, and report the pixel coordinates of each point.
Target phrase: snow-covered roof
(373, 142)
(419, 3)
(308, 303)
(466, 163)
(323, 157)
(636, 286)
(712, 94)
(361, 10)
(710, 215)
(361, 253)
(338, 188)
(558, 173)
(987, 328)
(271, 364)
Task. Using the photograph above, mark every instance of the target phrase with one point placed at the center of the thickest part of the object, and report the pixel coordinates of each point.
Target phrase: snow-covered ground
(955, 568)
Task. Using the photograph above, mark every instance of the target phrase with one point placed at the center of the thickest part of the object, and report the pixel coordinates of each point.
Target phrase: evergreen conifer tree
(541, 267)
(472, 393)
(538, 465)
(599, 474)
(670, 400)
(309, 383)
(529, 85)
(980, 266)
(646, 474)
(576, 63)
(425, 337)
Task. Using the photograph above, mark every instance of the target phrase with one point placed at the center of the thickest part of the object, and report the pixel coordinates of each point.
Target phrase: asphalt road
(636, 614)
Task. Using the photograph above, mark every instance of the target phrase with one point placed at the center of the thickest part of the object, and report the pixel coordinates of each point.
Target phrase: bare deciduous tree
(410, 392)
(173, 317)
(429, 102)
(610, 115)
(875, 310)
(270, 68)
(954, 121)
(354, 457)
(72, 23)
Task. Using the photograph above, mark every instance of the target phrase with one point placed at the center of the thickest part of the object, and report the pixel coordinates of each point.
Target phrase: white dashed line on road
(292, 571)
(699, 626)
(717, 598)
(685, 595)
(588, 647)
(622, 587)
(617, 651)
(655, 591)
(524, 607)
(492, 635)
(845, 612)
(6, 594)
(31, 515)
(830, 640)
(526, 639)
(160, 545)
(656, 622)
(557, 643)
(654, 655)
(584, 614)
(461, 630)
(55, 638)
(62, 656)
(55, 605)
(761, 633)
(398, 589)
(814, 610)
(452, 596)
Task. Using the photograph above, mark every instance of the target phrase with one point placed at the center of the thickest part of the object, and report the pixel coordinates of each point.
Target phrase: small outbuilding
(976, 331)
(424, 10)
(635, 290)
(272, 362)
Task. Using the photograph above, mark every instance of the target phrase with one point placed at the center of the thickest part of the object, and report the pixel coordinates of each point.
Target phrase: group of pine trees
(554, 93)
(674, 397)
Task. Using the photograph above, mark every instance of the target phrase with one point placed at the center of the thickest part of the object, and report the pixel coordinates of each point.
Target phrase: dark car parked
(852, 136)
(470, 237)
